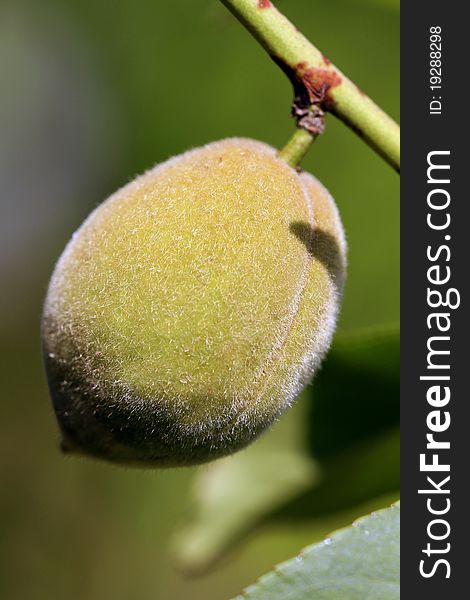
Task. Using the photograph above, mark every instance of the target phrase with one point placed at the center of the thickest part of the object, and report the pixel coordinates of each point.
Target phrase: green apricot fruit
(190, 308)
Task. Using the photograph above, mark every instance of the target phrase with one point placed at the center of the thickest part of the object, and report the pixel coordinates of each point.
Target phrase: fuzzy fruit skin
(190, 308)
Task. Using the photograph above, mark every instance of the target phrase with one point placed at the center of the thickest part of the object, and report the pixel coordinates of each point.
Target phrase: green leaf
(360, 562)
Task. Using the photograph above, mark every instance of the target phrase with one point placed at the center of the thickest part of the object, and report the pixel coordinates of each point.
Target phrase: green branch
(317, 82)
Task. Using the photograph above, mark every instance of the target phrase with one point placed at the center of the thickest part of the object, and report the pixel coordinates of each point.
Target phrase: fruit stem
(316, 79)
(297, 147)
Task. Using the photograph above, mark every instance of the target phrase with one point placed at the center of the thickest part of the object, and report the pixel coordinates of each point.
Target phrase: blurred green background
(93, 93)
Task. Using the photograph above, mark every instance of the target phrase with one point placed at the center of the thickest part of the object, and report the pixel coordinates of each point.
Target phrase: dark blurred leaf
(358, 474)
(362, 561)
(356, 393)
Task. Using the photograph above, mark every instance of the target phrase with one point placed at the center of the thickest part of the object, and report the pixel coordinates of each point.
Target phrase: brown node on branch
(318, 83)
(309, 116)
(312, 92)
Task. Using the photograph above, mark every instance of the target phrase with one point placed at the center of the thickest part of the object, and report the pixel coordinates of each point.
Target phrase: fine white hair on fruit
(191, 307)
